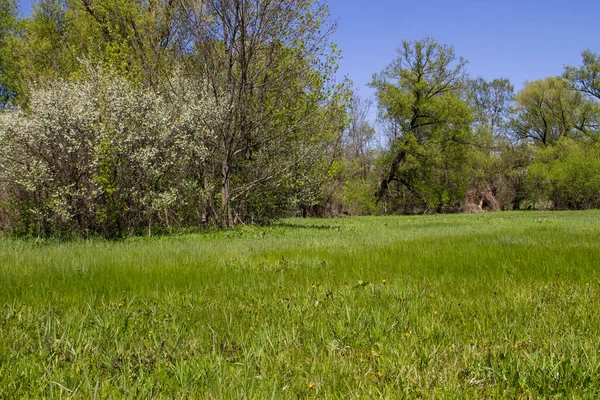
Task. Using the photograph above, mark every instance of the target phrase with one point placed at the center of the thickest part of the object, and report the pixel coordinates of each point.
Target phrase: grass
(501, 305)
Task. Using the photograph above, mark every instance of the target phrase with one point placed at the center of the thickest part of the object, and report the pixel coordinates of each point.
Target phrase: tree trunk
(226, 198)
(383, 186)
(517, 204)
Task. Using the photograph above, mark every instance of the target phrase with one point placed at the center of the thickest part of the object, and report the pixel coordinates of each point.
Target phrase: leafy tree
(140, 40)
(498, 172)
(359, 136)
(492, 104)
(508, 173)
(270, 66)
(586, 78)
(354, 177)
(46, 50)
(549, 109)
(419, 96)
(566, 175)
(8, 31)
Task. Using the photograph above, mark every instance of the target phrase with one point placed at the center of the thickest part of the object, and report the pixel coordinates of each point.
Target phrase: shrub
(102, 156)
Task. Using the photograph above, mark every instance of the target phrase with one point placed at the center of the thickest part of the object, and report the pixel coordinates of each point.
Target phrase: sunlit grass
(491, 305)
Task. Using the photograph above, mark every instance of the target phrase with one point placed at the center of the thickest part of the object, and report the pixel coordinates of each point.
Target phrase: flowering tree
(101, 155)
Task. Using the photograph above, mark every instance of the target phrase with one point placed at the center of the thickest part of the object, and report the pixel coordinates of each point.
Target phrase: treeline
(121, 117)
(458, 144)
(132, 116)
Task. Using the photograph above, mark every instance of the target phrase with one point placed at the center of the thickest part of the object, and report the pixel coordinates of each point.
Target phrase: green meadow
(497, 305)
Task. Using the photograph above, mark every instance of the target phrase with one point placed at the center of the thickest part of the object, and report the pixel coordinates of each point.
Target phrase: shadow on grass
(281, 224)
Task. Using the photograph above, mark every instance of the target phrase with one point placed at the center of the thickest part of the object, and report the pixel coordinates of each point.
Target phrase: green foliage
(418, 95)
(586, 78)
(139, 40)
(509, 174)
(491, 102)
(567, 175)
(498, 305)
(47, 48)
(358, 196)
(8, 30)
(549, 109)
(353, 172)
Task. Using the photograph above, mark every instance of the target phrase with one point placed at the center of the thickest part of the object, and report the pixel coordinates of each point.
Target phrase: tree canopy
(419, 97)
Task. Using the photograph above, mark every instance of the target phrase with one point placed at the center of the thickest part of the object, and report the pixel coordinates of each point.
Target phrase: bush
(101, 156)
(567, 175)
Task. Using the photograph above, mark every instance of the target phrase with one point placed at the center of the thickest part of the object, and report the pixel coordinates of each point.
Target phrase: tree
(419, 95)
(359, 135)
(492, 104)
(47, 45)
(586, 78)
(44, 47)
(270, 66)
(566, 175)
(498, 169)
(507, 172)
(8, 31)
(549, 109)
(138, 39)
(353, 174)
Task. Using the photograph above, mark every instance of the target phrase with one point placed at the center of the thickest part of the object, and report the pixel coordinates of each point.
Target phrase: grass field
(499, 305)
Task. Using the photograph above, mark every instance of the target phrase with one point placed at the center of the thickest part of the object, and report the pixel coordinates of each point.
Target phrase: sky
(519, 40)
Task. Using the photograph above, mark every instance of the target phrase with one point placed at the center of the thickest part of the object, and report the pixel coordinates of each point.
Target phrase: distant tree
(546, 110)
(496, 163)
(492, 102)
(419, 95)
(508, 172)
(586, 78)
(359, 136)
(355, 180)
(565, 176)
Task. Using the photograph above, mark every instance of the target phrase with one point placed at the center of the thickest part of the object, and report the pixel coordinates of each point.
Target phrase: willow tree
(419, 97)
(586, 78)
(549, 109)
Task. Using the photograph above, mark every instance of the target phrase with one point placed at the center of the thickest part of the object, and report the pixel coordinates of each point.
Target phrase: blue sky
(520, 40)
